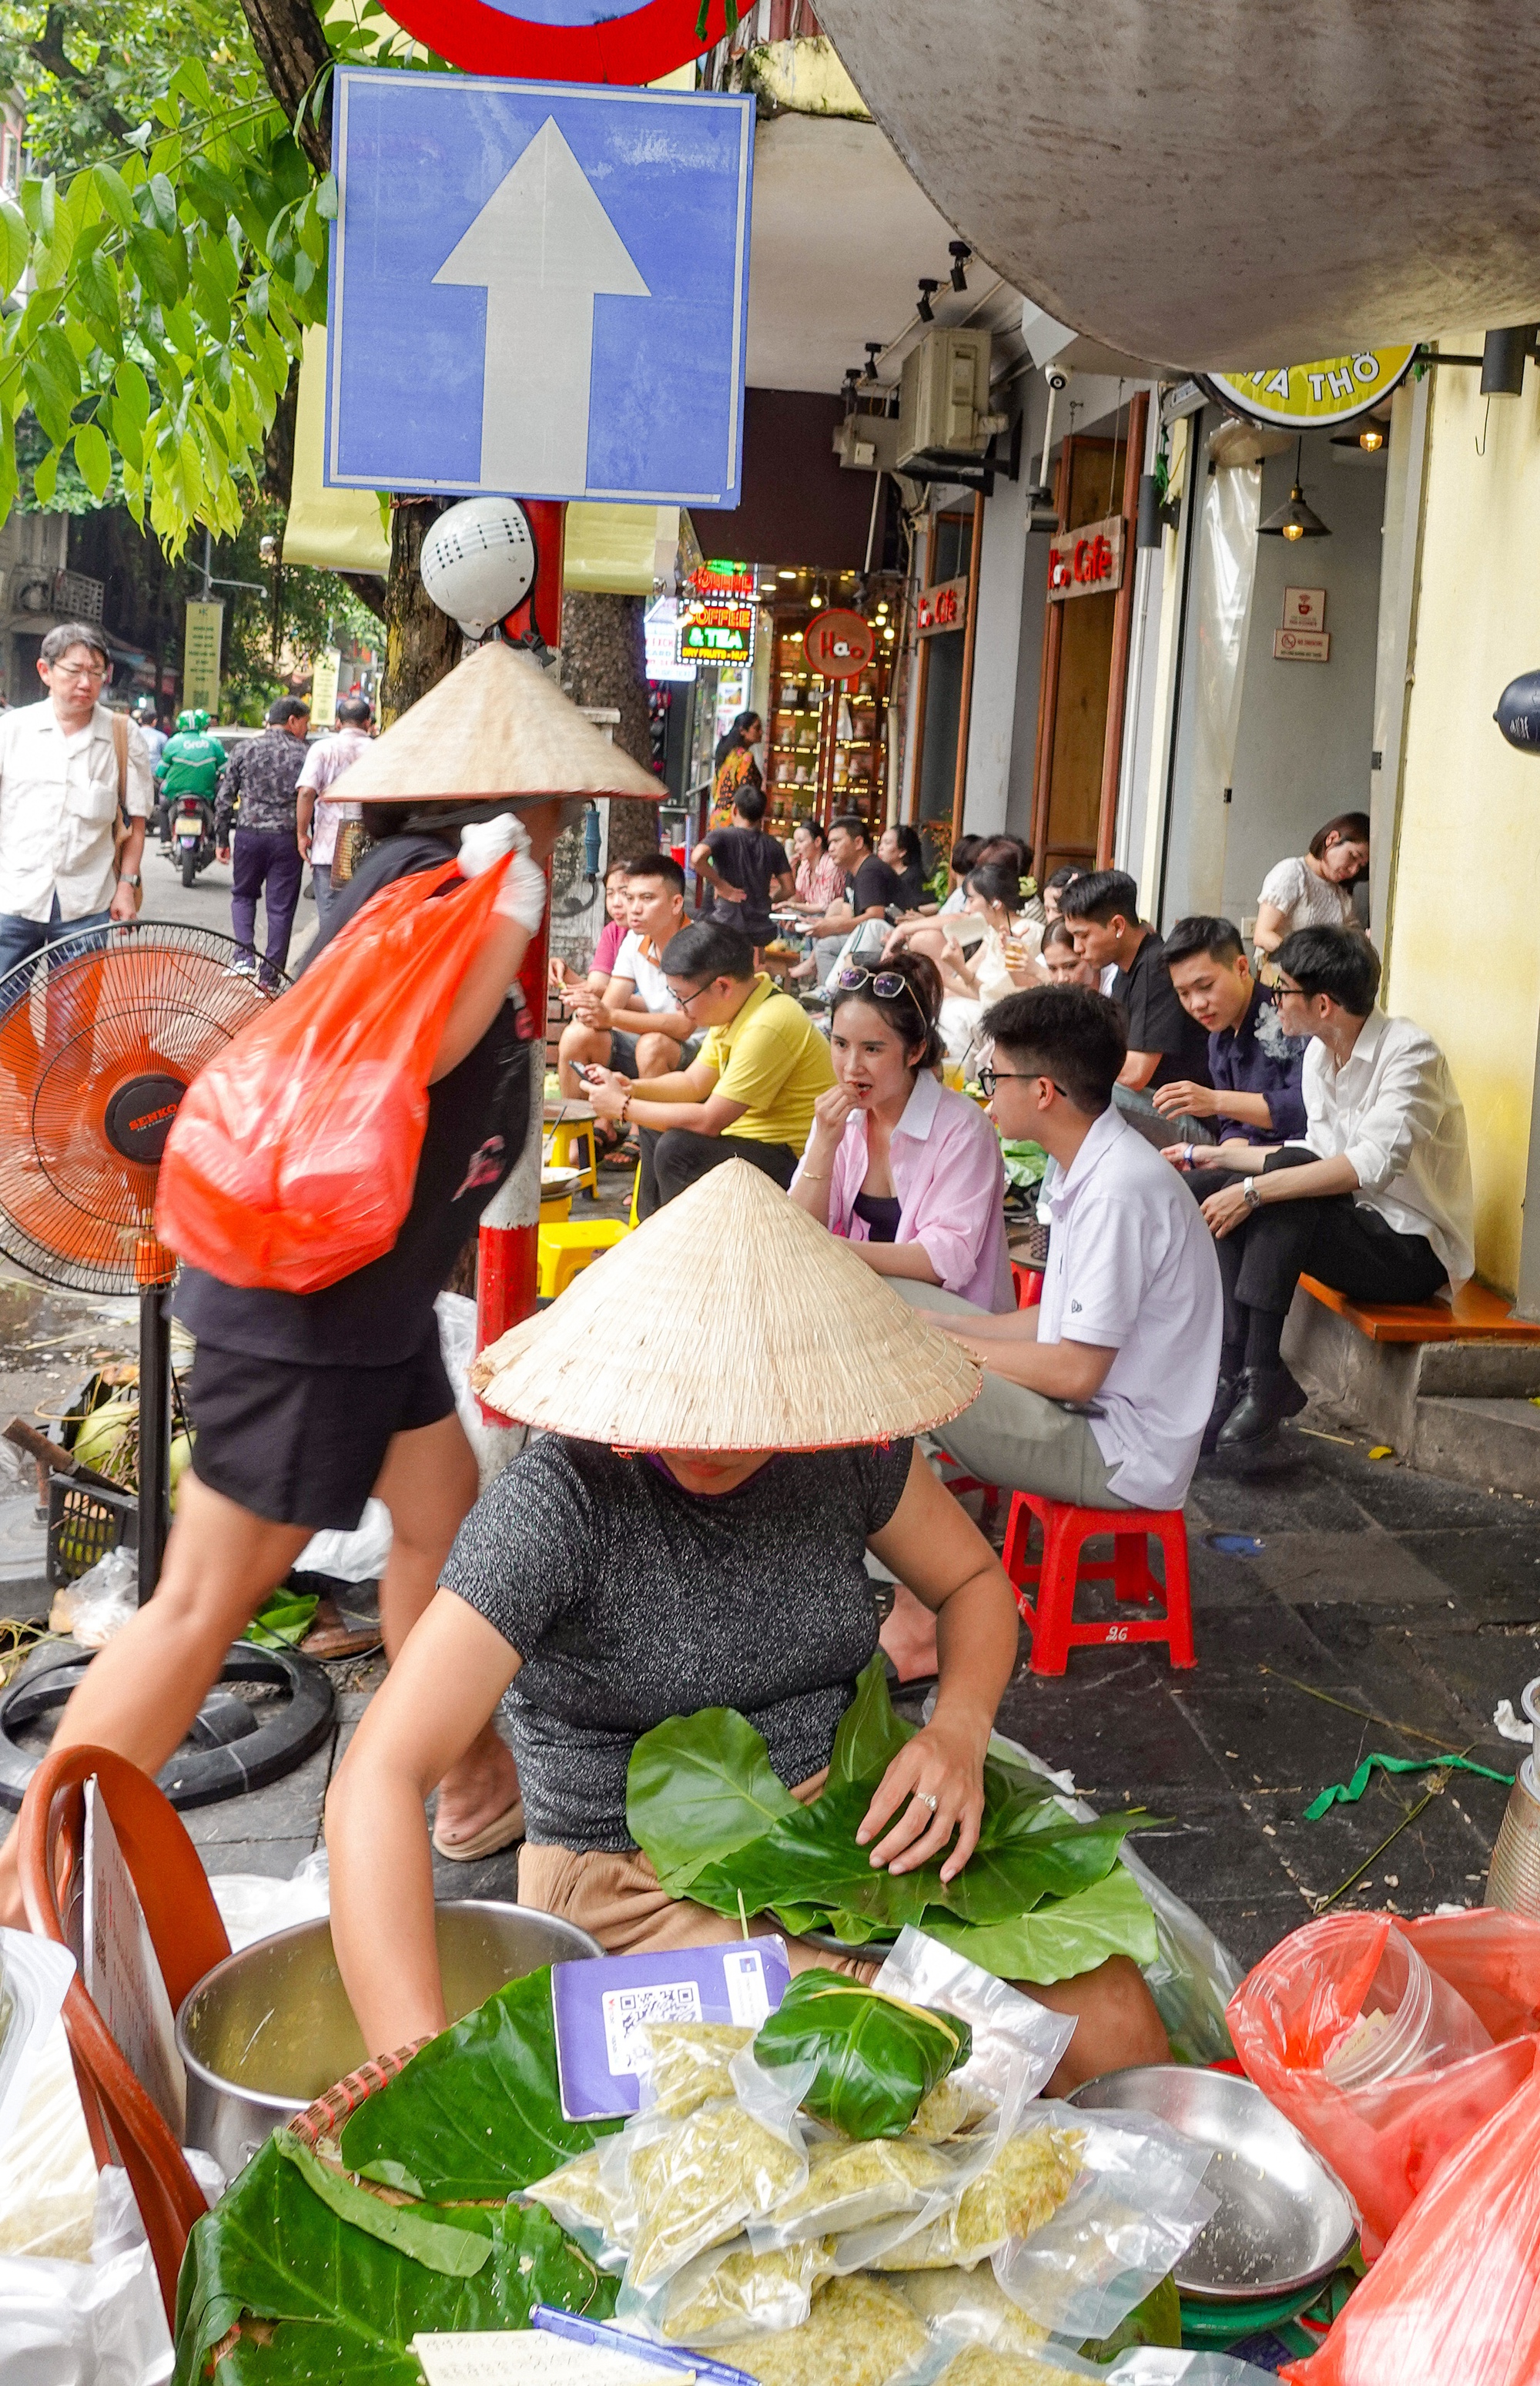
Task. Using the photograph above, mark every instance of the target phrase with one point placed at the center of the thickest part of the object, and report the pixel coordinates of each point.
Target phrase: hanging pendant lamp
(1296, 520)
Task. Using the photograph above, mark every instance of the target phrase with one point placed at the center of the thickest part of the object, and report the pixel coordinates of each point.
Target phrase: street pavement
(206, 904)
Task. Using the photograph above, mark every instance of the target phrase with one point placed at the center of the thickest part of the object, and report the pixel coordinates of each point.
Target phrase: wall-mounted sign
(722, 579)
(587, 40)
(200, 657)
(1301, 397)
(838, 643)
(1302, 646)
(1088, 561)
(943, 607)
(716, 634)
(1304, 608)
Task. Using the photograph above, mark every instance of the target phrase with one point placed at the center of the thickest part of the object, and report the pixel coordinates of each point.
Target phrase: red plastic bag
(1455, 2298)
(291, 1160)
(1384, 2141)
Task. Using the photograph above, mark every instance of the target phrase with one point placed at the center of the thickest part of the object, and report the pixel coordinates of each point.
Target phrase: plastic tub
(1410, 2020)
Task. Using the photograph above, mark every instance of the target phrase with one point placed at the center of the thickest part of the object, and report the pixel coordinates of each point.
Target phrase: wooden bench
(1474, 1315)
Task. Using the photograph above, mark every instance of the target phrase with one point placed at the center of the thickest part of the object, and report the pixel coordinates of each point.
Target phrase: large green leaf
(450, 2238)
(478, 2113)
(698, 1789)
(1061, 1938)
(272, 2251)
(870, 1735)
(876, 2057)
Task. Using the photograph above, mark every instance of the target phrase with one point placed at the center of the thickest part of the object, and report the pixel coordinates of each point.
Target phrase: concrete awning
(1224, 183)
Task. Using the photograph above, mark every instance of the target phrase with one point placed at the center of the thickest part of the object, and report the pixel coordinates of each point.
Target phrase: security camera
(478, 563)
(1055, 378)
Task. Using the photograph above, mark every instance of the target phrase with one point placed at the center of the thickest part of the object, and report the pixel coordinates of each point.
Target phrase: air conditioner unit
(943, 397)
(866, 442)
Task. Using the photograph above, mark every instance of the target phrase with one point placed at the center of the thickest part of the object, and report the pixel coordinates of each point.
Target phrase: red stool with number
(1051, 1618)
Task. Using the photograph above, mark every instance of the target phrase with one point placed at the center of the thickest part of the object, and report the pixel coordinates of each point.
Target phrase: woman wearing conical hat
(304, 1403)
(692, 1531)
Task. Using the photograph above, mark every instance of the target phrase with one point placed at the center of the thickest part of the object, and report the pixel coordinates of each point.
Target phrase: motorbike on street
(192, 827)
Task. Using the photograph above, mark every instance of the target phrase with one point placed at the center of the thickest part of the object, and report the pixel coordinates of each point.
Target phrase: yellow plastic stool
(556, 1214)
(573, 1132)
(636, 1195)
(565, 1250)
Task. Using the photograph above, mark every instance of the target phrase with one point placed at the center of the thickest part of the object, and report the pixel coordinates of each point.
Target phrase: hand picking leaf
(878, 2058)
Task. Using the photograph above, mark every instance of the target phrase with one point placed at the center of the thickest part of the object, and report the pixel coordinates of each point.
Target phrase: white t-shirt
(1306, 900)
(1131, 1268)
(652, 986)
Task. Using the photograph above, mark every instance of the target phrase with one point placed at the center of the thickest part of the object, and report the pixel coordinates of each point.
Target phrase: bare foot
(475, 1793)
(909, 1636)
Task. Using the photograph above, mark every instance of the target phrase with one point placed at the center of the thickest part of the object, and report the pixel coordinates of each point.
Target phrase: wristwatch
(134, 881)
(1249, 1194)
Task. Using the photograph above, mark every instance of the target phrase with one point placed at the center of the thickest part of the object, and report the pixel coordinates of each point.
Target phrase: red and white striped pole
(508, 1247)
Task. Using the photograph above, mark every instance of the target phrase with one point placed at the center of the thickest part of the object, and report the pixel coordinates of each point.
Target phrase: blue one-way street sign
(538, 290)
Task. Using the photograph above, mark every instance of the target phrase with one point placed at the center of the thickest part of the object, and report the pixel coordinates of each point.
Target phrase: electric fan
(99, 1039)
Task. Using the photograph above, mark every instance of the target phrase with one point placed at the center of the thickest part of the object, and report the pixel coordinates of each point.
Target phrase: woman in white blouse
(1314, 889)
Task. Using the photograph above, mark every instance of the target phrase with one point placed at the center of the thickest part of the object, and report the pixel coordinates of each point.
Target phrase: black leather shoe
(1268, 1396)
(1227, 1391)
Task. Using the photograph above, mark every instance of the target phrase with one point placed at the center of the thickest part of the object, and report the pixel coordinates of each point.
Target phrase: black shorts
(303, 1445)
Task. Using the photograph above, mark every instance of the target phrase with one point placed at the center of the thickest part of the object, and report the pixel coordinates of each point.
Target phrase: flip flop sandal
(507, 1829)
(331, 1637)
(624, 1159)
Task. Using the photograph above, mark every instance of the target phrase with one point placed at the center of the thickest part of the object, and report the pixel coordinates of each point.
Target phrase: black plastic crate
(84, 1521)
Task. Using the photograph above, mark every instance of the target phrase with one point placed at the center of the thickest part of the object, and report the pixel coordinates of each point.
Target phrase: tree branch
(293, 50)
(50, 53)
(370, 589)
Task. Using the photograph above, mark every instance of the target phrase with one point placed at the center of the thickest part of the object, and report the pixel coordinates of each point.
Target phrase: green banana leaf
(876, 2058)
(283, 1619)
(347, 2304)
(708, 1787)
(1059, 1939)
(478, 2113)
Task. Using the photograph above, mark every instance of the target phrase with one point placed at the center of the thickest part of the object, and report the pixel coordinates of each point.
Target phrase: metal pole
(208, 566)
(154, 1433)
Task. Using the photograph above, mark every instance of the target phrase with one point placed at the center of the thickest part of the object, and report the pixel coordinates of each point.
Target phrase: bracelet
(625, 1109)
(813, 1180)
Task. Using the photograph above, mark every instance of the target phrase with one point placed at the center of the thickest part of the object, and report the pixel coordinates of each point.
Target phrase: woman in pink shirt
(909, 1171)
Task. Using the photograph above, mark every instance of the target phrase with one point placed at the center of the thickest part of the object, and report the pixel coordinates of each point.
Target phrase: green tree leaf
(45, 476)
(133, 392)
(15, 244)
(94, 458)
(698, 1789)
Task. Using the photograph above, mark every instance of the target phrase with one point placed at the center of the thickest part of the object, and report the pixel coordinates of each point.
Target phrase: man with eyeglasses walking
(75, 793)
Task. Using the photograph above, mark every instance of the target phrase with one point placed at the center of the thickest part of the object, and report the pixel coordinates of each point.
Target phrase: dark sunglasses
(886, 984)
(990, 1078)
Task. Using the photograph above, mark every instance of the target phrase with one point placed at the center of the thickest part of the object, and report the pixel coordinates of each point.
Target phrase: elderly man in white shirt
(1377, 1203)
(68, 767)
(318, 817)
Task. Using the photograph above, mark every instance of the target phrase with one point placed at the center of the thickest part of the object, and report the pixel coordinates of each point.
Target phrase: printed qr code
(626, 2010)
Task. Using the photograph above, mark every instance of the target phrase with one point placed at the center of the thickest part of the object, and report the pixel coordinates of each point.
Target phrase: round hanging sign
(1305, 398)
(572, 41)
(838, 643)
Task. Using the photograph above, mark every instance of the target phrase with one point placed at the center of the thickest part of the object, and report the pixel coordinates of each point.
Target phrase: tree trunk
(288, 39)
(605, 662)
(422, 644)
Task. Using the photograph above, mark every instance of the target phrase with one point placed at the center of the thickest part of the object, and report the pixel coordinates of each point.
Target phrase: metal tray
(1284, 2220)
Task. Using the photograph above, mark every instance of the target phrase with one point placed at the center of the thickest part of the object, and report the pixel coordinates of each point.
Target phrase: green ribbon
(1347, 1793)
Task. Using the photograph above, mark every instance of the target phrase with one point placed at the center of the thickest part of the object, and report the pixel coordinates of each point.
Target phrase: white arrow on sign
(544, 249)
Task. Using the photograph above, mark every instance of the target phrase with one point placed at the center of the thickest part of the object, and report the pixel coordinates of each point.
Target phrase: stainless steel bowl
(1284, 2220)
(269, 2030)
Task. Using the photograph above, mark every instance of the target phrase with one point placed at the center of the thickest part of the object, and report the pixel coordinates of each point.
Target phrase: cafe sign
(839, 644)
(1088, 561)
(716, 633)
(943, 607)
(1305, 398)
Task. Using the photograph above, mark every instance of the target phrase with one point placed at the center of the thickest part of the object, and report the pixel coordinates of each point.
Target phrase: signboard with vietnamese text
(943, 607)
(719, 578)
(1088, 561)
(200, 657)
(716, 633)
(1305, 398)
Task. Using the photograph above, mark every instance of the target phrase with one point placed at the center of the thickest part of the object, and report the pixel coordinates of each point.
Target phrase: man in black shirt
(871, 890)
(1165, 1043)
(746, 870)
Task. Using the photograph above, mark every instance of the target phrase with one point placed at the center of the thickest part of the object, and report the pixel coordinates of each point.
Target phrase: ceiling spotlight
(961, 253)
(882, 611)
(924, 302)
(818, 597)
(1296, 520)
(873, 350)
(784, 573)
(1369, 435)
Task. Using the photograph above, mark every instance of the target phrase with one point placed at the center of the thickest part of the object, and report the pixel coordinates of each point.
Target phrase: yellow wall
(1464, 929)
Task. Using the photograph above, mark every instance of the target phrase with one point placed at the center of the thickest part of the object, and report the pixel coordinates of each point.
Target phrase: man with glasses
(750, 1094)
(69, 770)
(1375, 1200)
(1254, 1094)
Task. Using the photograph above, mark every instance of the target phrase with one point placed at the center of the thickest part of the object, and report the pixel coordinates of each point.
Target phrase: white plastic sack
(48, 2170)
(253, 1906)
(84, 2323)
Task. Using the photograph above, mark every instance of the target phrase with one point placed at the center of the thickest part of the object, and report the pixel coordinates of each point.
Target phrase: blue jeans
(24, 940)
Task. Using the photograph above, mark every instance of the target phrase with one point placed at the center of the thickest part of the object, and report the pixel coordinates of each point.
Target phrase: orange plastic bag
(1385, 2140)
(1455, 2299)
(292, 1158)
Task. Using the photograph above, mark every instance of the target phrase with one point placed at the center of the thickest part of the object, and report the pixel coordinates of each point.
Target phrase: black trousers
(672, 1157)
(1342, 1241)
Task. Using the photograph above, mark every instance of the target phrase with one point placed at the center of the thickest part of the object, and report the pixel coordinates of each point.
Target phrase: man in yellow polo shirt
(749, 1094)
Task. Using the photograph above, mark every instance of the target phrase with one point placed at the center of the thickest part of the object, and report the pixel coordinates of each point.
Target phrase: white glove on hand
(522, 895)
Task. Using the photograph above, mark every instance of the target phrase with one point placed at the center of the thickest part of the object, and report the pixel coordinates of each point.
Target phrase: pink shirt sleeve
(952, 1189)
(611, 937)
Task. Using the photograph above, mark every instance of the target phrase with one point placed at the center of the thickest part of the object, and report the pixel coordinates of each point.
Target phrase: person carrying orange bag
(306, 1401)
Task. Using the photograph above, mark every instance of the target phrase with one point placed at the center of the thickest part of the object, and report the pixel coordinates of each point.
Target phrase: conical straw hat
(729, 1321)
(496, 726)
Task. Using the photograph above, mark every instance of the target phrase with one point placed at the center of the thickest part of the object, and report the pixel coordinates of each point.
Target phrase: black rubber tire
(190, 866)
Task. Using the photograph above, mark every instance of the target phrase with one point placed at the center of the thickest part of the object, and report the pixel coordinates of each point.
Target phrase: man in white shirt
(635, 1027)
(317, 816)
(1377, 1203)
(61, 788)
(1128, 1331)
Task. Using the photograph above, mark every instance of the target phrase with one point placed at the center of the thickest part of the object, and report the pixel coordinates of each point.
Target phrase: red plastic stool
(1065, 1532)
(1028, 1282)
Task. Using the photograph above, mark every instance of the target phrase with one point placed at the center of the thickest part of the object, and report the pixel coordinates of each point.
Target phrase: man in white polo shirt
(65, 764)
(635, 1027)
(1100, 1396)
